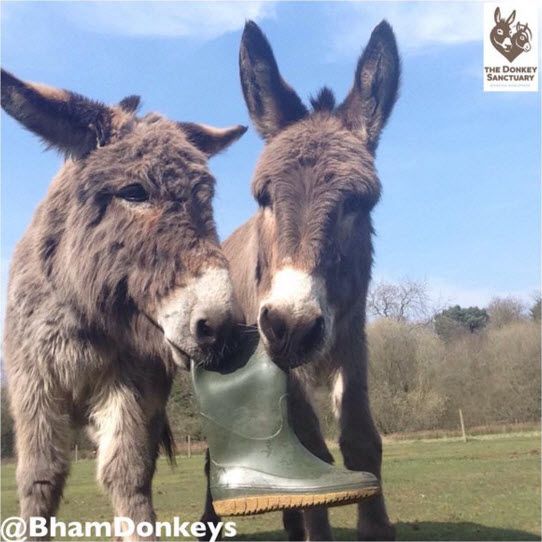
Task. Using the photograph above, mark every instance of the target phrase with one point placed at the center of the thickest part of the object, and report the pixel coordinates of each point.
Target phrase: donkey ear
(368, 105)
(73, 124)
(271, 102)
(511, 18)
(498, 15)
(210, 140)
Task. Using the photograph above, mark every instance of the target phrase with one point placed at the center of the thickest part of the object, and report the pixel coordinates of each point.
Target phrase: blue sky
(460, 168)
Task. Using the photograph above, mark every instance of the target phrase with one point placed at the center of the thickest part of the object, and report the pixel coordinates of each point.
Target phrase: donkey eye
(353, 204)
(133, 192)
(264, 199)
(499, 31)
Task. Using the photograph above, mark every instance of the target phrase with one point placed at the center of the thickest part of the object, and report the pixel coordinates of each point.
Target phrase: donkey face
(127, 237)
(501, 34)
(316, 185)
(522, 37)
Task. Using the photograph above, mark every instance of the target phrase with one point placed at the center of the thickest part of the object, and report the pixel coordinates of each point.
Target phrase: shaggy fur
(126, 222)
(316, 184)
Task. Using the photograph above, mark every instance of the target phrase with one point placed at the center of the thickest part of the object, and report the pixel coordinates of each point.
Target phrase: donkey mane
(131, 103)
(324, 100)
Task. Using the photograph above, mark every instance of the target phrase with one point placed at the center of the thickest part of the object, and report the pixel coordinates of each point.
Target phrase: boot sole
(245, 506)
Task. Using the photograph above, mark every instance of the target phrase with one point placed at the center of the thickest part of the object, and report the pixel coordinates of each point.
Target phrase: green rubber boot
(257, 463)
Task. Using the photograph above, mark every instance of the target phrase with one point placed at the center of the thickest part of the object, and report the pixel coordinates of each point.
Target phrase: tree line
(428, 362)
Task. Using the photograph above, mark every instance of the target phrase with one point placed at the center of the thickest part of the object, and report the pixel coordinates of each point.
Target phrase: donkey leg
(312, 524)
(127, 451)
(294, 524)
(42, 432)
(209, 515)
(361, 447)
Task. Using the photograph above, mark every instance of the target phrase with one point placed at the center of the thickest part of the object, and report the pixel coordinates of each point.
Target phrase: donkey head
(316, 184)
(501, 34)
(522, 37)
(126, 236)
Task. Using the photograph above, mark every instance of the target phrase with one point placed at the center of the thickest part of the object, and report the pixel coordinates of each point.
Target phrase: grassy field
(485, 489)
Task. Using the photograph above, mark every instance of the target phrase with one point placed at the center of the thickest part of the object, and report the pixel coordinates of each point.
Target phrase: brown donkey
(301, 265)
(118, 280)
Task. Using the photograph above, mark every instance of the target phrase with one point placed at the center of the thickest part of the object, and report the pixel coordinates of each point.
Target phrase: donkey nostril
(211, 328)
(279, 326)
(314, 334)
(273, 324)
(319, 324)
(204, 330)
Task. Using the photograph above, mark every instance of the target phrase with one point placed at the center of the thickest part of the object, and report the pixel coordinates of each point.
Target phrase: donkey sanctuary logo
(511, 47)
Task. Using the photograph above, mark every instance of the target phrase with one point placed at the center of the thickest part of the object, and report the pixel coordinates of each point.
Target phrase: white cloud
(418, 25)
(199, 20)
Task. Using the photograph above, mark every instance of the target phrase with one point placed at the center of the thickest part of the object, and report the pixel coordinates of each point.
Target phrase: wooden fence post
(189, 447)
(76, 453)
(462, 426)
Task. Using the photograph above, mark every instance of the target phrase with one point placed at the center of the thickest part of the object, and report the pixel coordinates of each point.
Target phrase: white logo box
(519, 74)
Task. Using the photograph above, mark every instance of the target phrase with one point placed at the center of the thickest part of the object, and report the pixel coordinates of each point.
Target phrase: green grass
(485, 489)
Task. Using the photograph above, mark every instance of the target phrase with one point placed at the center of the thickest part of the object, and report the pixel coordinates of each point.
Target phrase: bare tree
(404, 364)
(403, 301)
(505, 310)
